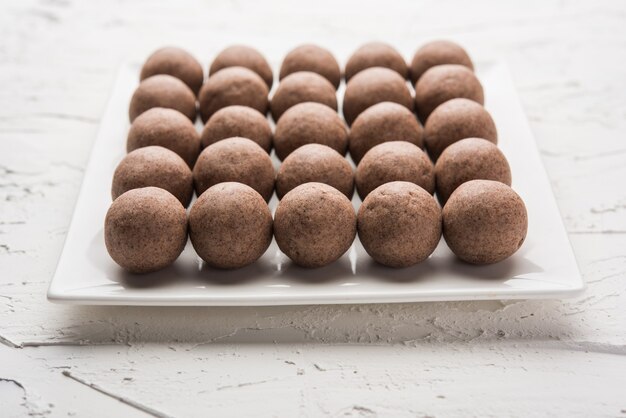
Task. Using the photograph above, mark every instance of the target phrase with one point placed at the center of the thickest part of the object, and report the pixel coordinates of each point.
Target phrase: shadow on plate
(506, 269)
(334, 271)
(259, 269)
(161, 278)
(371, 269)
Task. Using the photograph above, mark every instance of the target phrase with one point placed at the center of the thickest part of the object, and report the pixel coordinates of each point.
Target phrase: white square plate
(544, 267)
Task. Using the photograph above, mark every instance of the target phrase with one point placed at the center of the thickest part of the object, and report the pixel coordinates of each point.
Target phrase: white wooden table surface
(58, 60)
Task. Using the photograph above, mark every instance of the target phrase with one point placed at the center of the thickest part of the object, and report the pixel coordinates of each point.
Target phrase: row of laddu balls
(399, 223)
(241, 75)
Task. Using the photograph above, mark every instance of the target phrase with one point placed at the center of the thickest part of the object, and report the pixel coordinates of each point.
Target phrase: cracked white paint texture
(58, 60)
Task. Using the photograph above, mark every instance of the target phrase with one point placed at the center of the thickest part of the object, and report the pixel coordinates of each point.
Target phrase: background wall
(58, 60)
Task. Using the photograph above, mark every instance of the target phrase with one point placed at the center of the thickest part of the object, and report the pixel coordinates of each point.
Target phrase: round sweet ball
(394, 161)
(145, 229)
(314, 225)
(243, 56)
(154, 166)
(167, 128)
(235, 159)
(300, 87)
(371, 86)
(383, 122)
(230, 226)
(470, 159)
(438, 53)
(484, 222)
(309, 123)
(376, 54)
(312, 58)
(176, 62)
(315, 163)
(232, 86)
(399, 224)
(241, 121)
(162, 90)
(445, 82)
(454, 120)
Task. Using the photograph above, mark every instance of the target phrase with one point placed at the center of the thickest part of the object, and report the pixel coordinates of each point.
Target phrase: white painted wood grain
(58, 59)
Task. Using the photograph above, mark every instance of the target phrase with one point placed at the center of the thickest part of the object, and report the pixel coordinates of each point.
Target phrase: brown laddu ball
(230, 226)
(243, 56)
(242, 121)
(383, 122)
(309, 123)
(145, 229)
(484, 222)
(446, 82)
(233, 86)
(454, 120)
(235, 159)
(300, 87)
(167, 128)
(154, 166)
(312, 58)
(399, 224)
(438, 53)
(394, 161)
(315, 163)
(176, 62)
(371, 86)
(162, 90)
(376, 54)
(470, 159)
(314, 225)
